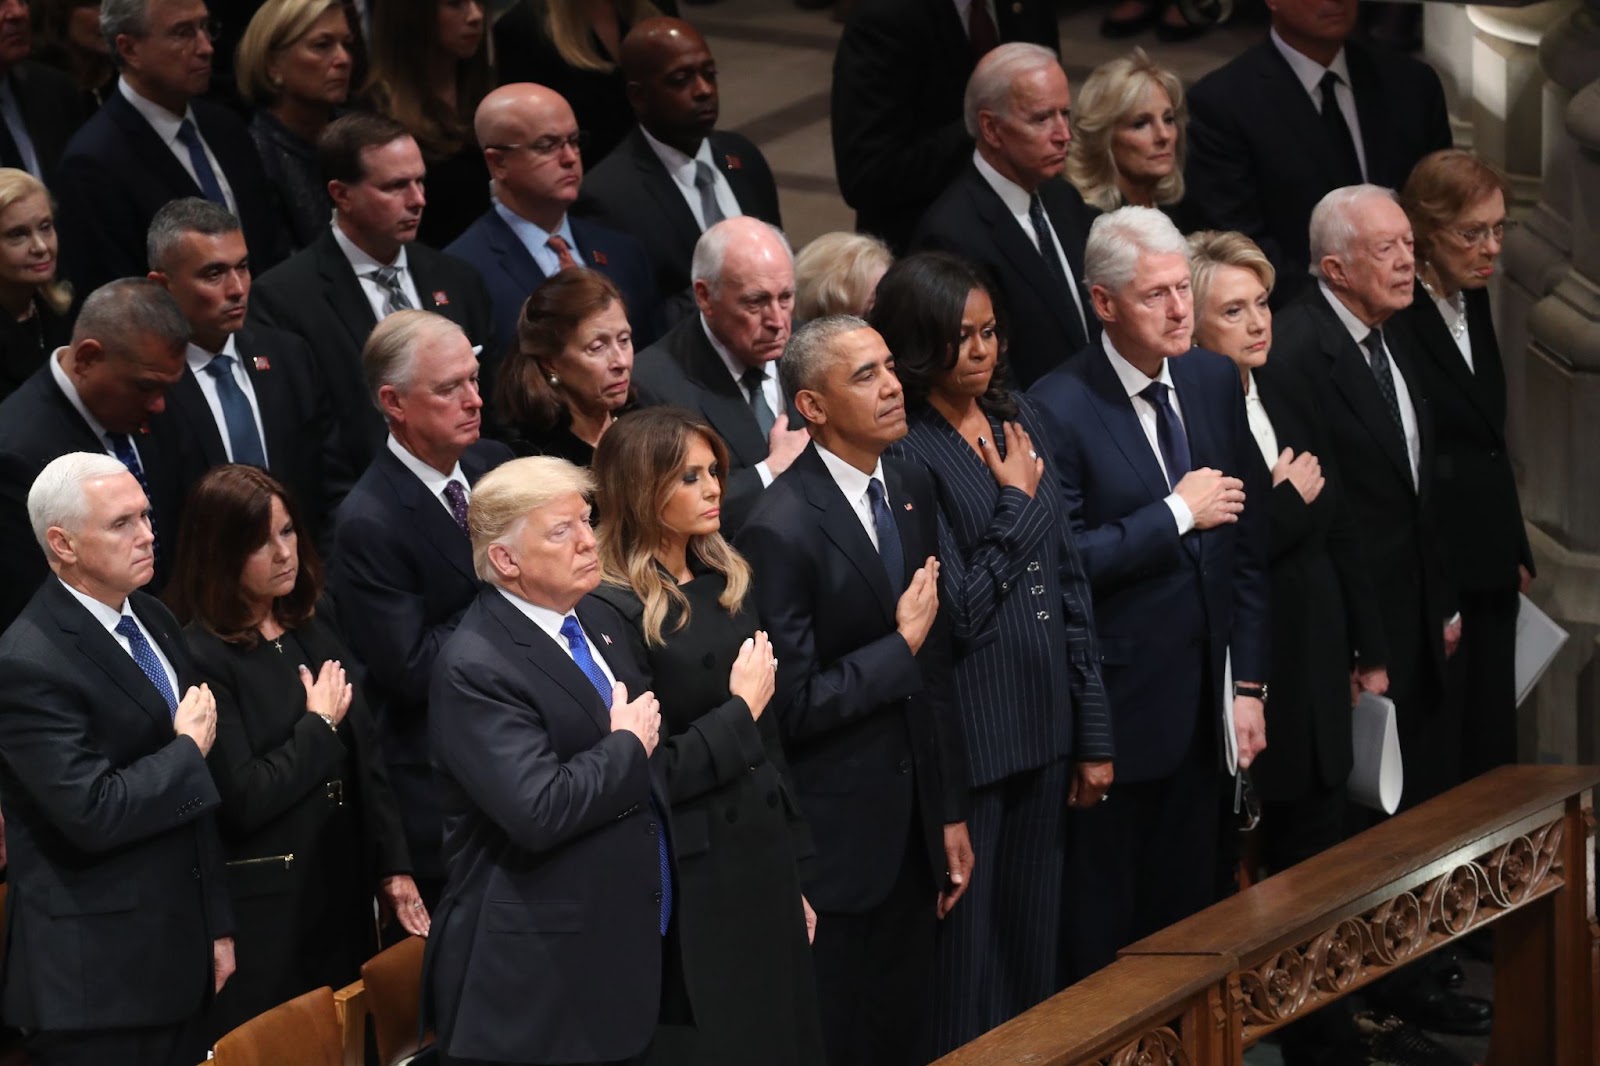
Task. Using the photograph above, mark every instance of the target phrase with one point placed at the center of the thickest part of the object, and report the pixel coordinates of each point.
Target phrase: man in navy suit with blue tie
(1152, 447)
(531, 143)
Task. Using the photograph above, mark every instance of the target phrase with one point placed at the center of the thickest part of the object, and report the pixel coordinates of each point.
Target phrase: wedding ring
(1104, 796)
(416, 906)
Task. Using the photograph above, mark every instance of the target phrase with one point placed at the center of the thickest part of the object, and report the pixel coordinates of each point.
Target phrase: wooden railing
(1514, 847)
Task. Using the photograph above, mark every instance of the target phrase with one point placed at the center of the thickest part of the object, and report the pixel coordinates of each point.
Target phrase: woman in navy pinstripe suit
(1027, 679)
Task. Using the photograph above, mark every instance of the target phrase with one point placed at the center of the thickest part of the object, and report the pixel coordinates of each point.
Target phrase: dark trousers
(995, 954)
(183, 1044)
(1488, 676)
(1292, 831)
(1144, 858)
(874, 968)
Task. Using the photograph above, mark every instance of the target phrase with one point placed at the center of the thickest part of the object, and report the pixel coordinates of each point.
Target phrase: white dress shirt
(1017, 200)
(166, 125)
(536, 239)
(199, 359)
(109, 617)
(1310, 73)
(1133, 383)
(363, 265)
(11, 112)
(681, 169)
(69, 390)
(430, 477)
(853, 483)
(1453, 309)
(1408, 414)
(1260, 425)
(769, 388)
(550, 621)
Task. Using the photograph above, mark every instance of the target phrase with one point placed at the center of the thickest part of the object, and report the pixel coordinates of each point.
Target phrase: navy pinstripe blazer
(1027, 672)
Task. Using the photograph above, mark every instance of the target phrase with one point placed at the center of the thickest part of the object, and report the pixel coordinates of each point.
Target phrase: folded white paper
(1230, 736)
(1538, 640)
(1377, 778)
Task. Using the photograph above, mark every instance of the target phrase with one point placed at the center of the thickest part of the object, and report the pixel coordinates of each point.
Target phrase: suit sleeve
(1289, 519)
(101, 239)
(24, 559)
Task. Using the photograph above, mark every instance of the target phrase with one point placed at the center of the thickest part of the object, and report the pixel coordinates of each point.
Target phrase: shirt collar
(736, 368)
(1251, 392)
(1015, 197)
(1307, 70)
(164, 122)
(70, 390)
(531, 234)
(680, 166)
(362, 263)
(1134, 381)
(1357, 329)
(430, 477)
(104, 613)
(543, 617)
(199, 358)
(852, 482)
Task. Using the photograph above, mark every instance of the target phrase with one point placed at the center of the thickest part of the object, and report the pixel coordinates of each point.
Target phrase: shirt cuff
(1180, 512)
(764, 472)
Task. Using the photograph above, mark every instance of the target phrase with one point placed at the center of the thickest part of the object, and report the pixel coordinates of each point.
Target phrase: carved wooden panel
(1157, 1047)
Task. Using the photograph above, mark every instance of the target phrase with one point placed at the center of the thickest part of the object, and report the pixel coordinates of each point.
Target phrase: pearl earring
(555, 382)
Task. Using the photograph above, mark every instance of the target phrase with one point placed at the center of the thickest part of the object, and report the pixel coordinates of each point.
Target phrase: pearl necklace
(1457, 324)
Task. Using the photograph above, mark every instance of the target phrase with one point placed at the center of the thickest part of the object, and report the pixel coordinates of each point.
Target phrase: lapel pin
(144, 429)
(733, 162)
(441, 298)
(262, 363)
(606, 637)
(598, 257)
(908, 505)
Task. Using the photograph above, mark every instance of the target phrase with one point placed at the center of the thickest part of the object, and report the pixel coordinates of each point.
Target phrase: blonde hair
(568, 29)
(18, 185)
(1210, 249)
(831, 273)
(1104, 101)
(503, 498)
(274, 27)
(638, 464)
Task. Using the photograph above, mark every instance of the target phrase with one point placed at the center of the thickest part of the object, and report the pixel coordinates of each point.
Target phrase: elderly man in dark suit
(1006, 212)
(547, 947)
(249, 394)
(367, 266)
(45, 106)
(721, 362)
(121, 930)
(152, 141)
(675, 176)
(530, 141)
(842, 545)
(1301, 114)
(402, 561)
(96, 394)
(1167, 499)
(898, 79)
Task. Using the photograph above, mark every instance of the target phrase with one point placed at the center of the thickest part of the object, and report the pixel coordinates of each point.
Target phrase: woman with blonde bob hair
(670, 573)
(1129, 135)
(35, 306)
(838, 274)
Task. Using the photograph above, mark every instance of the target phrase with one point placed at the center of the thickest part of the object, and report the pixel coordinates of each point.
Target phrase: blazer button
(652, 829)
(1033, 567)
(905, 766)
(772, 799)
(657, 897)
(732, 815)
(1037, 590)
(195, 873)
(1043, 616)
(1005, 586)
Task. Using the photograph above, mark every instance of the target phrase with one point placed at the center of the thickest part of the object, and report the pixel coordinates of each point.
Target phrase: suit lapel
(153, 155)
(1019, 249)
(272, 396)
(193, 411)
(1205, 444)
(1353, 378)
(1122, 423)
(99, 647)
(841, 526)
(1287, 97)
(1370, 108)
(551, 659)
(343, 291)
(428, 516)
(723, 403)
(1438, 346)
(903, 510)
(674, 212)
(512, 255)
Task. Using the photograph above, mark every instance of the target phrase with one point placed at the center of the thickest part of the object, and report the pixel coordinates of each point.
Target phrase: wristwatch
(1258, 692)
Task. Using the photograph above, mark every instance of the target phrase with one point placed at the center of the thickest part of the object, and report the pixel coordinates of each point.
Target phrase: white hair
(1333, 225)
(57, 497)
(712, 247)
(989, 88)
(1118, 238)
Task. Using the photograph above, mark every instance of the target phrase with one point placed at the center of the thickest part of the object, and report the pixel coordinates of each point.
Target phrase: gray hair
(118, 311)
(712, 247)
(1118, 238)
(117, 17)
(503, 497)
(805, 357)
(989, 88)
(179, 218)
(390, 355)
(1333, 228)
(57, 497)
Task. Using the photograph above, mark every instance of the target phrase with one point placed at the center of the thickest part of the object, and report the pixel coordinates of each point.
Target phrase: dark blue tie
(145, 656)
(122, 448)
(591, 669)
(243, 439)
(203, 174)
(889, 550)
(1169, 433)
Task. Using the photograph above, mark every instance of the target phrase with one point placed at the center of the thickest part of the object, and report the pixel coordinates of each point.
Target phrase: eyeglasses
(187, 33)
(1477, 235)
(547, 146)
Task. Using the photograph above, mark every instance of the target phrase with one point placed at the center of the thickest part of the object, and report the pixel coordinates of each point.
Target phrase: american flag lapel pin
(441, 298)
(734, 162)
(598, 257)
(262, 363)
(908, 505)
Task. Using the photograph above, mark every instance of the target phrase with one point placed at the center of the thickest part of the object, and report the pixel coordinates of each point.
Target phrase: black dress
(295, 176)
(736, 834)
(309, 824)
(25, 344)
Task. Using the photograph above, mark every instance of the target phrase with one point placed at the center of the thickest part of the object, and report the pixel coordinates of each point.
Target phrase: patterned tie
(1344, 146)
(394, 294)
(145, 656)
(203, 174)
(705, 179)
(564, 260)
(1378, 361)
(455, 495)
(889, 549)
(591, 669)
(1170, 436)
(1047, 247)
(244, 442)
(754, 381)
(122, 448)
(980, 29)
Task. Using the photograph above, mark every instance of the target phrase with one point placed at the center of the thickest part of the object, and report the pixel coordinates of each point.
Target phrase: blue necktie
(203, 174)
(122, 448)
(1170, 436)
(889, 549)
(591, 669)
(243, 440)
(145, 656)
